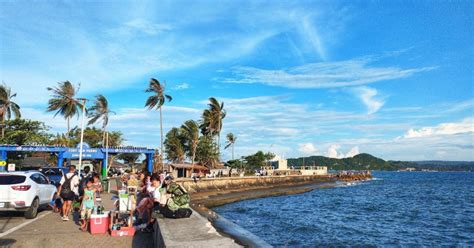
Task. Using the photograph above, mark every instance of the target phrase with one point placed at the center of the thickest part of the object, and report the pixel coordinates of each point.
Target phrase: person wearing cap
(178, 197)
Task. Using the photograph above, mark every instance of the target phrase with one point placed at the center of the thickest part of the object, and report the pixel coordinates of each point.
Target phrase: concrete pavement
(195, 231)
(50, 231)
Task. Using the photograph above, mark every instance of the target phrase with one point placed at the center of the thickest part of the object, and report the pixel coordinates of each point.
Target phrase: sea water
(394, 209)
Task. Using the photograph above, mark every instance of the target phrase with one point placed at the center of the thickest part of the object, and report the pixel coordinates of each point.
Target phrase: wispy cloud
(181, 86)
(345, 73)
(369, 97)
(138, 26)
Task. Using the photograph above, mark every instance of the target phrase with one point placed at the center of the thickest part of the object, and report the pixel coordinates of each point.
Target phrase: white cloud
(182, 86)
(323, 75)
(333, 152)
(465, 126)
(307, 148)
(354, 151)
(369, 97)
(137, 26)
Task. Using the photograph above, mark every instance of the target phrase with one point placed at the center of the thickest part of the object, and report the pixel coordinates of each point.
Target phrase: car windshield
(11, 179)
(52, 172)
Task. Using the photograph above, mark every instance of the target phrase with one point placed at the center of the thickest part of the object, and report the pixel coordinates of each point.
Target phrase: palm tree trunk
(233, 151)
(161, 136)
(192, 160)
(3, 125)
(68, 127)
(103, 135)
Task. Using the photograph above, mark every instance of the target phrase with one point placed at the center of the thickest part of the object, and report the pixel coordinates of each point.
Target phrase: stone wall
(244, 183)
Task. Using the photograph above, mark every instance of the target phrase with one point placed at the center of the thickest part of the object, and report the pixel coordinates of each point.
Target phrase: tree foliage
(7, 106)
(212, 118)
(93, 137)
(190, 133)
(129, 158)
(362, 161)
(23, 131)
(63, 101)
(174, 145)
(207, 153)
(257, 160)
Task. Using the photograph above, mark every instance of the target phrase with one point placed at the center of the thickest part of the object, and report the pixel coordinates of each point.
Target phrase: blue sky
(333, 78)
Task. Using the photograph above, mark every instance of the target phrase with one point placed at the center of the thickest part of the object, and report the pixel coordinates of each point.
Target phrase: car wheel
(33, 210)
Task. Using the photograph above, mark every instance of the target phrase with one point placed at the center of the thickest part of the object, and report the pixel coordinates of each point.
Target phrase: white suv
(25, 191)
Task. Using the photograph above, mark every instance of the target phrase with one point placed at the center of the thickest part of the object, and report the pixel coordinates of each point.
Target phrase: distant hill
(366, 161)
(436, 165)
(362, 161)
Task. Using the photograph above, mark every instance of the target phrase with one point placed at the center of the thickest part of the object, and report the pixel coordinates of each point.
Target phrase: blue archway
(73, 153)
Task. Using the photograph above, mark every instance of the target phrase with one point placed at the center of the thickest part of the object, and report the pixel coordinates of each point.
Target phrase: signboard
(3, 163)
(11, 167)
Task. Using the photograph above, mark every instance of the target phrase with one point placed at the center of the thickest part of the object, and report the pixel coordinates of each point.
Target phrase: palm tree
(211, 122)
(231, 142)
(174, 145)
(7, 106)
(191, 134)
(63, 101)
(156, 101)
(100, 110)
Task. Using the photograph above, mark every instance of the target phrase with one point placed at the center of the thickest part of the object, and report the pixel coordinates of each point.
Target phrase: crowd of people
(157, 193)
(153, 195)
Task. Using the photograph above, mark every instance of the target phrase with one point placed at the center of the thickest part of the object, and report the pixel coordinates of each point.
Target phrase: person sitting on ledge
(174, 201)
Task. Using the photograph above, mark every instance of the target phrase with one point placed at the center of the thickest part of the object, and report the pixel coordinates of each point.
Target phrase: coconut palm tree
(174, 145)
(7, 106)
(191, 134)
(211, 122)
(63, 101)
(231, 138)
(100, 110)
(156, 101)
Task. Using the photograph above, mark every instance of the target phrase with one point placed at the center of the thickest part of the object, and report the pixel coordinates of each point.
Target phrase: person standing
(68, 190)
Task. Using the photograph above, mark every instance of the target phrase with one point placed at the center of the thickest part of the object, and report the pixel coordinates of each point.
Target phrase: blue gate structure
(72, 153)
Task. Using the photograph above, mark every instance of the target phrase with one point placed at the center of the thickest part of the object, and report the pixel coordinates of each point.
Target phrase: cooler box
(99, 223)
(124, 231)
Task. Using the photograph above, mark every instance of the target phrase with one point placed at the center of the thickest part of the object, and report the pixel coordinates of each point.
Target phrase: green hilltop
(361, 161)
(366, 161)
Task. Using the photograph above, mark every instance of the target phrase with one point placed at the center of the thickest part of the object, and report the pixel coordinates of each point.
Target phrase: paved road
(48, 230)
(12, 220)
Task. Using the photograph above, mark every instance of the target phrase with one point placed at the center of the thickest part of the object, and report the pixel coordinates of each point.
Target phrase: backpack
(183, 213)
(82, 184)
(66, 186)
(180, 195)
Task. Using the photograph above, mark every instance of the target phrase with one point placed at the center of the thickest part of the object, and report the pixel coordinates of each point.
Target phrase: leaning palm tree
(7, 106)
(211, 122)
(156, 101)
(100, 110)
(191, 134)
(231, 142)
(63, 101)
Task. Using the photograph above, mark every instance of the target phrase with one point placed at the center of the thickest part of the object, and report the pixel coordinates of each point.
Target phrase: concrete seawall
(210, 186)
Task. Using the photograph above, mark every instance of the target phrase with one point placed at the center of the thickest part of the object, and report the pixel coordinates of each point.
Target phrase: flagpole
(82, 136)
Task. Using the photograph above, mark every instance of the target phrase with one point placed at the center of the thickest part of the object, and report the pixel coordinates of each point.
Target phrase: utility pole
(82, 135)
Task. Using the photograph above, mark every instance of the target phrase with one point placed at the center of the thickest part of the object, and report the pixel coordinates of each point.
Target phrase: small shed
(185, 170)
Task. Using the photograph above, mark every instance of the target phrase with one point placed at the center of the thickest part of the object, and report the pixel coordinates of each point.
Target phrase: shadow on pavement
(142, 240)
(6, 242)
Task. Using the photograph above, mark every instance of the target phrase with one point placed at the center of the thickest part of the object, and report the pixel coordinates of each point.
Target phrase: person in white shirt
(68, 190)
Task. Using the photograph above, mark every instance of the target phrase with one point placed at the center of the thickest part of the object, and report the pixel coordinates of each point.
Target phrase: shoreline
(203, 202)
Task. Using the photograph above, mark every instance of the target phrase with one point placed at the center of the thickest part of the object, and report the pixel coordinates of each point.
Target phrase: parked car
(25, 191)
(54, 174)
